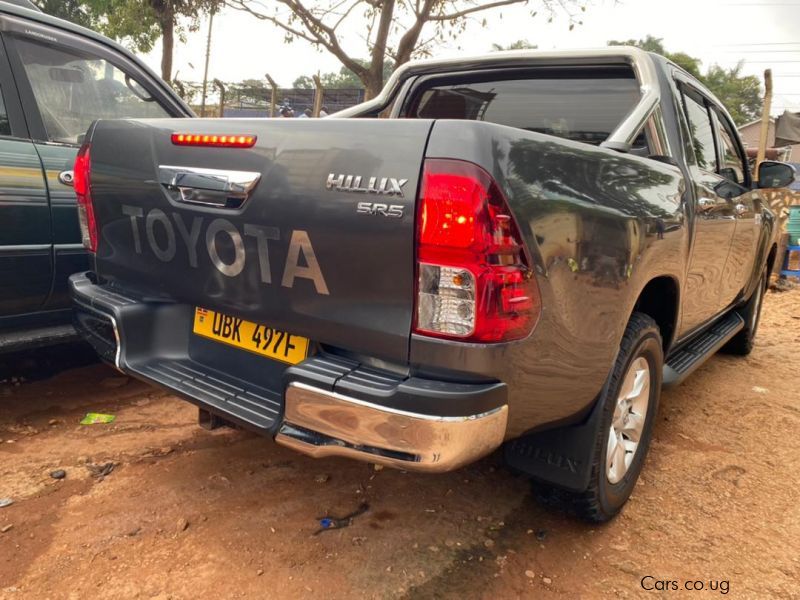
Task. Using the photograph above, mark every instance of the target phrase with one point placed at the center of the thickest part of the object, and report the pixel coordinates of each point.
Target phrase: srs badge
(378, 208)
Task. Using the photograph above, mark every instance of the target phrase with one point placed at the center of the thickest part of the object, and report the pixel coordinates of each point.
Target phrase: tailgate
(322, 247)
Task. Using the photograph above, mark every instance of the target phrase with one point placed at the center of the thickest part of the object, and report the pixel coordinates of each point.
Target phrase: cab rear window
(584, 105)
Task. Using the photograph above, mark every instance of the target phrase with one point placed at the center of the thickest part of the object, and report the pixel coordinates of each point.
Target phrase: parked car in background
(55, 79)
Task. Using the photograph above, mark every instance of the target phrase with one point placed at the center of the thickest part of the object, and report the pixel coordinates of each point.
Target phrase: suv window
(701, 131)
(5, 126)
(72, 89)
(583, 105)
(733, 164)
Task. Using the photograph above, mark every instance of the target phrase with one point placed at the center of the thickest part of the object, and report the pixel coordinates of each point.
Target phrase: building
(751, 132)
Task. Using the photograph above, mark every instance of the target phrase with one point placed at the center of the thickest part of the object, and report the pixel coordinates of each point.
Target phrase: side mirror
(773, 174)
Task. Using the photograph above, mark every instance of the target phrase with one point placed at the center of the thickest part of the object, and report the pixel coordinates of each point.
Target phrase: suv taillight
(474, 277)
(81, 175)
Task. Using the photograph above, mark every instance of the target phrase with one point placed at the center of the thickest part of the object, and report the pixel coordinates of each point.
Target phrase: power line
(761, 4)
(794, 51)
(758, 44)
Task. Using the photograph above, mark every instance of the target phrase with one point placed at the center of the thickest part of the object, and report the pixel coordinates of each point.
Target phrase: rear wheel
(742, 343)
(629, 404)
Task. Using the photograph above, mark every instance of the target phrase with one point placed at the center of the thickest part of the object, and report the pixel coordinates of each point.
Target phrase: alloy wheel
(627, 424)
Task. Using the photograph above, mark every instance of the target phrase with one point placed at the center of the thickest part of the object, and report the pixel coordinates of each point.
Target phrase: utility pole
(221, 87)
(319, 91)
(762, 142)
(273, 95)
(208, 58)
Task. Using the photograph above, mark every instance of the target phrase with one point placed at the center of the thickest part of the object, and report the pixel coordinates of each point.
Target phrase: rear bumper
(325, 406)
(320, 423)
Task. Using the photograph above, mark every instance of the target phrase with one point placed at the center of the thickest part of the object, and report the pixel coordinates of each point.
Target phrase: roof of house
(754, 121)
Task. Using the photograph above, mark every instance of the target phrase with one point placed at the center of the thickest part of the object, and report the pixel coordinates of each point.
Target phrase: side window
(5, 126)
(733, 164)
(72, 89)
(702, 132)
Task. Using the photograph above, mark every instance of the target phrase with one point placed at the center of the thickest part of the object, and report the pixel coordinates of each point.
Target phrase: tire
(641, 350)
(742, 343)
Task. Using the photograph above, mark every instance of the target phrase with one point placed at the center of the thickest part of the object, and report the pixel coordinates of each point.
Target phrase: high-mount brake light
(214, 140)
(474, 277)
(83, 190)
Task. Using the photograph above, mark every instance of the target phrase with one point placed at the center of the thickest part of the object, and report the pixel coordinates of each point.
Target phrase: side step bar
(12, 341)
(689, 358)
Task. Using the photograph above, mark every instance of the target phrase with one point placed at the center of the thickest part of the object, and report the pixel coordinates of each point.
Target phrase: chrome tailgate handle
(211, 187)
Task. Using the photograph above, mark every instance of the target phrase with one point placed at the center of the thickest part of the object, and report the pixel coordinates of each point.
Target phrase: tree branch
(316, 31)
(409, 40)
(278, 23)
(345, 14)
(325, 35)
(474, 9)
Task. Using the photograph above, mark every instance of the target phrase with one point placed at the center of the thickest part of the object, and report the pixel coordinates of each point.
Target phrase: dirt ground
(189, 513)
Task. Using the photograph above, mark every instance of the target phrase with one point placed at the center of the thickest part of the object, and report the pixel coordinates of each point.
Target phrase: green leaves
(741, 94)
(138, 24)
(344, 79)
(518, 45)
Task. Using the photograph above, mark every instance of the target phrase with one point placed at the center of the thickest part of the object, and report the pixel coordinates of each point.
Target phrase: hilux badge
(374, 185)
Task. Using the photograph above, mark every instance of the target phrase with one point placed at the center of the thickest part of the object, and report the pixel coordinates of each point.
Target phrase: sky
(763, 33)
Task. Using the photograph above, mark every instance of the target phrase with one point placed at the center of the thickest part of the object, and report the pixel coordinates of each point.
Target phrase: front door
(746, 205)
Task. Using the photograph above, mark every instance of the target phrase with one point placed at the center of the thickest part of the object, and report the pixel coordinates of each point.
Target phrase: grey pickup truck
(517, 249)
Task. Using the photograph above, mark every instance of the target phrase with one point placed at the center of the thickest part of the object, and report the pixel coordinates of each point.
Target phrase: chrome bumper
(321, 423)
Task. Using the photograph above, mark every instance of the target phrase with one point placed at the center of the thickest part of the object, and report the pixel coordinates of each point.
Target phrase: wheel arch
(659, 299)
(771, 257)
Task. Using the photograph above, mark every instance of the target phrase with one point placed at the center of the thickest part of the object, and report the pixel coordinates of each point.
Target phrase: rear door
(714, 221)
(66, 82)
(26, 268)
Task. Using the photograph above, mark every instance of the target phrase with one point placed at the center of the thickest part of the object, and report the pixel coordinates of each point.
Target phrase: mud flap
(561, 457)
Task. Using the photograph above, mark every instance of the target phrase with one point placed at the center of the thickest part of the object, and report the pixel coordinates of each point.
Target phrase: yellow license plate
(260, 339)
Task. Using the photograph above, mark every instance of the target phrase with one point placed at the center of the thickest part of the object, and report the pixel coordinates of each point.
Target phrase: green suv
(55, 79)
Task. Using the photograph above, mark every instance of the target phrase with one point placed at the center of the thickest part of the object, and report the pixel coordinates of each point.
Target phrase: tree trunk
(167, 23)
(410, 38)
(378, 54)
(372, 85)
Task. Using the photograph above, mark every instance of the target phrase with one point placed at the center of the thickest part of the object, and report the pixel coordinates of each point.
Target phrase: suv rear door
(25, 254)
(66, 82)
(714, 222)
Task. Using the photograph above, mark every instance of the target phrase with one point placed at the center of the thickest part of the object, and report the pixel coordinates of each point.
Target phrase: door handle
(67, 177)
(740, 209)
(211, 187)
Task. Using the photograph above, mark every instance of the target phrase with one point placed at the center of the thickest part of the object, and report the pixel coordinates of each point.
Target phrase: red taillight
(81, 182)
(474, 277)
(214, 139)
